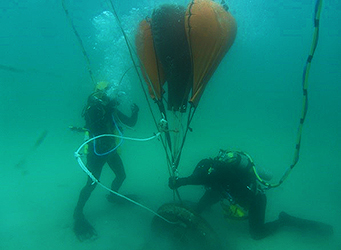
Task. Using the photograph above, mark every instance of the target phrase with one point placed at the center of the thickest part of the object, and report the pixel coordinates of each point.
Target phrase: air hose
(318, 9)
(96, 181)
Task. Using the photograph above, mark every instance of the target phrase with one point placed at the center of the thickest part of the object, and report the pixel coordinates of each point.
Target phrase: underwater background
(252, 103)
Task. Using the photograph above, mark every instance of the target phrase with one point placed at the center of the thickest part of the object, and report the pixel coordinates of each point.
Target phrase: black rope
(80, 42)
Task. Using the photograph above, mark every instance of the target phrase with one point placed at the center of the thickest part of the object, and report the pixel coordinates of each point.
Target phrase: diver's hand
(83, 229)
(173, 183)
(134, 108)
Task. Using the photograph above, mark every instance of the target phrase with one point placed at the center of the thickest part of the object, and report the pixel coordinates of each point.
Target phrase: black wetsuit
(232, 180)
(102, 116)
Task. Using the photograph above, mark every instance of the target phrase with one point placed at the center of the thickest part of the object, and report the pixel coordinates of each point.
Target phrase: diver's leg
(82, 228)
(95, 165)
(116, 165)
(259, 229)
(210, 197)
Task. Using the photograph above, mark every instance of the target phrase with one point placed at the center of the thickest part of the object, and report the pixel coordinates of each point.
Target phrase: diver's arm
(129, 121)
(175, 182)
(199, 176)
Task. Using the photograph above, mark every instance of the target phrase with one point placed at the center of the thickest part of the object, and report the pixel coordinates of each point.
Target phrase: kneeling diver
(230, 176)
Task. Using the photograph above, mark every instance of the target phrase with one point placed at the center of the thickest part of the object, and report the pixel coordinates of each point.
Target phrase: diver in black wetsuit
(102, 117)
(232, 177)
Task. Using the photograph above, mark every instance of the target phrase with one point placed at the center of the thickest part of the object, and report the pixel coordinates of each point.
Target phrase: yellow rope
(318, 8)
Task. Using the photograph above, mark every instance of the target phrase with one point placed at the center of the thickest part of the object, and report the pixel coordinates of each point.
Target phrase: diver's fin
(313, 226)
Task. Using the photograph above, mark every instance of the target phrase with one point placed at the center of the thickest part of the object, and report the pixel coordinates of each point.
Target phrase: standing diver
(230, 176)
(102, 117)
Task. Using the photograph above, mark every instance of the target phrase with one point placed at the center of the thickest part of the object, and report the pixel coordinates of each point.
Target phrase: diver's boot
(314, 226)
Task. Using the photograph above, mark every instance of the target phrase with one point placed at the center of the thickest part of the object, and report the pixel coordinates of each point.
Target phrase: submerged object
(189, 231)
(37, 143)
(184, 47)
(179, 48)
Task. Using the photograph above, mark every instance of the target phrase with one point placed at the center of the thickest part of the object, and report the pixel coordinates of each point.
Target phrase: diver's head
(102, 86)
(100, 93)
(100, 90)
(110, 94)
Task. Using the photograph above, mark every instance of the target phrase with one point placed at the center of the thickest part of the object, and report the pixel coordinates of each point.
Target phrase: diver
(102, 116)
(230, 176)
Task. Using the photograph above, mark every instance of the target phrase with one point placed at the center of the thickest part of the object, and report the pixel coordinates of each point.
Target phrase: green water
(252, 103)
